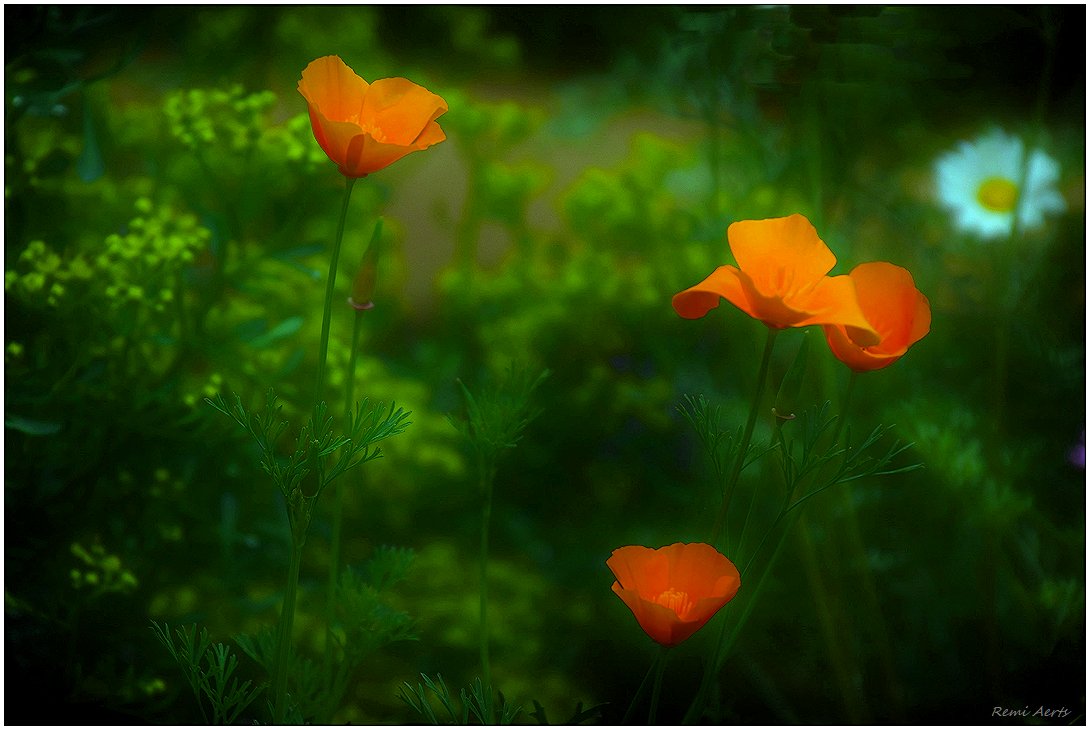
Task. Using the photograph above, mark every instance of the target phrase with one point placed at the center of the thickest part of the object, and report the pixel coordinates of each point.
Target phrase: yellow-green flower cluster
(45, 276)
(202, 118)
(100, 571)
(138, 264)
(212, 386)
(294, 141)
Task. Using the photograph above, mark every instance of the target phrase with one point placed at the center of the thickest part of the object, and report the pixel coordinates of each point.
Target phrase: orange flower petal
(833, 300)
(364, 155)
(900, 314)
(399, 110)
(696, 301)
(674, 590)
(782, 256)
(329, 84)
(333, 137)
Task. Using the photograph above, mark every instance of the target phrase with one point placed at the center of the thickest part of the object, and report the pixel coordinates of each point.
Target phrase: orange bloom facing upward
(366, 127)
(899, 312)
(780, 279)
(674, 590)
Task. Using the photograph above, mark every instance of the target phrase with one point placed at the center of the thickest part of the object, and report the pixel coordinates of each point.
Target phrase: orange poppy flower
(366, 127)
(780, 279)
(899, 312)
(674, 590)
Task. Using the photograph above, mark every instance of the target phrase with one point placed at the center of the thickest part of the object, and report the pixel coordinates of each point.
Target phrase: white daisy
(978, 183)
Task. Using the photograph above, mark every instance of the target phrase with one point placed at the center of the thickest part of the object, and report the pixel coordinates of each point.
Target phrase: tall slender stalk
(718, 650)
(656, 690)
(488, 471)
(747, 435)
(729, 632)
(331, 280)
(871, 604)
(335, 528)
(639, 693)
(287, 619)
(299, 527)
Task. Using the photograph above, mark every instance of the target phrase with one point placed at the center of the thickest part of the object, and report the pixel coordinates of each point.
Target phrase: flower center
(997, 194)
(676, 601)
(367, 128)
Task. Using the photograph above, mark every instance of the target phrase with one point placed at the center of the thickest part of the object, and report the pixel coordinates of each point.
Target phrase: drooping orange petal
(833, 300)
(900, 314)
(432, 134)
(921, 321)
(399, 111)
(781, 255)
(698, 300)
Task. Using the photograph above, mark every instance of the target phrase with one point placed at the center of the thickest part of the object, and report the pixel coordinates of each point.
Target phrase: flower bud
(363, 286)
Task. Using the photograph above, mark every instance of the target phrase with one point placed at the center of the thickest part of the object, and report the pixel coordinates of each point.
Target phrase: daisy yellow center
(676, 601)
(997, 194)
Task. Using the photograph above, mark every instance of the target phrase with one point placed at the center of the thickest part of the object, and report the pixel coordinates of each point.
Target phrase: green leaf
(285, 329)
(32, 426)
(90, 163)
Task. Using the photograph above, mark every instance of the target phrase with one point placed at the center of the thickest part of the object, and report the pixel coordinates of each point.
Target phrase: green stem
(725, 641)
(639, 693)
(287, 619)
(468, 230)
(825, 605)
(179, 303)
(747, 434)
(488, 471)
(871, 603)
(335, 538)
(845, 403)
(719, 651)
(656, 690)
(330, 282)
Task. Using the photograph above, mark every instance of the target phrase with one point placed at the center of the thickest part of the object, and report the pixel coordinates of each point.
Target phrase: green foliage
(498, 415)
(847, 463)
(578, 717)
(484, 128)
(208, 668)
(267, 428)
(477, 700)
(316, 442)
(365, 623)
(719, 446)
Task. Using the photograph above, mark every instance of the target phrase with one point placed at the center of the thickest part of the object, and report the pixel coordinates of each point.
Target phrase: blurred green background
(168, 217)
